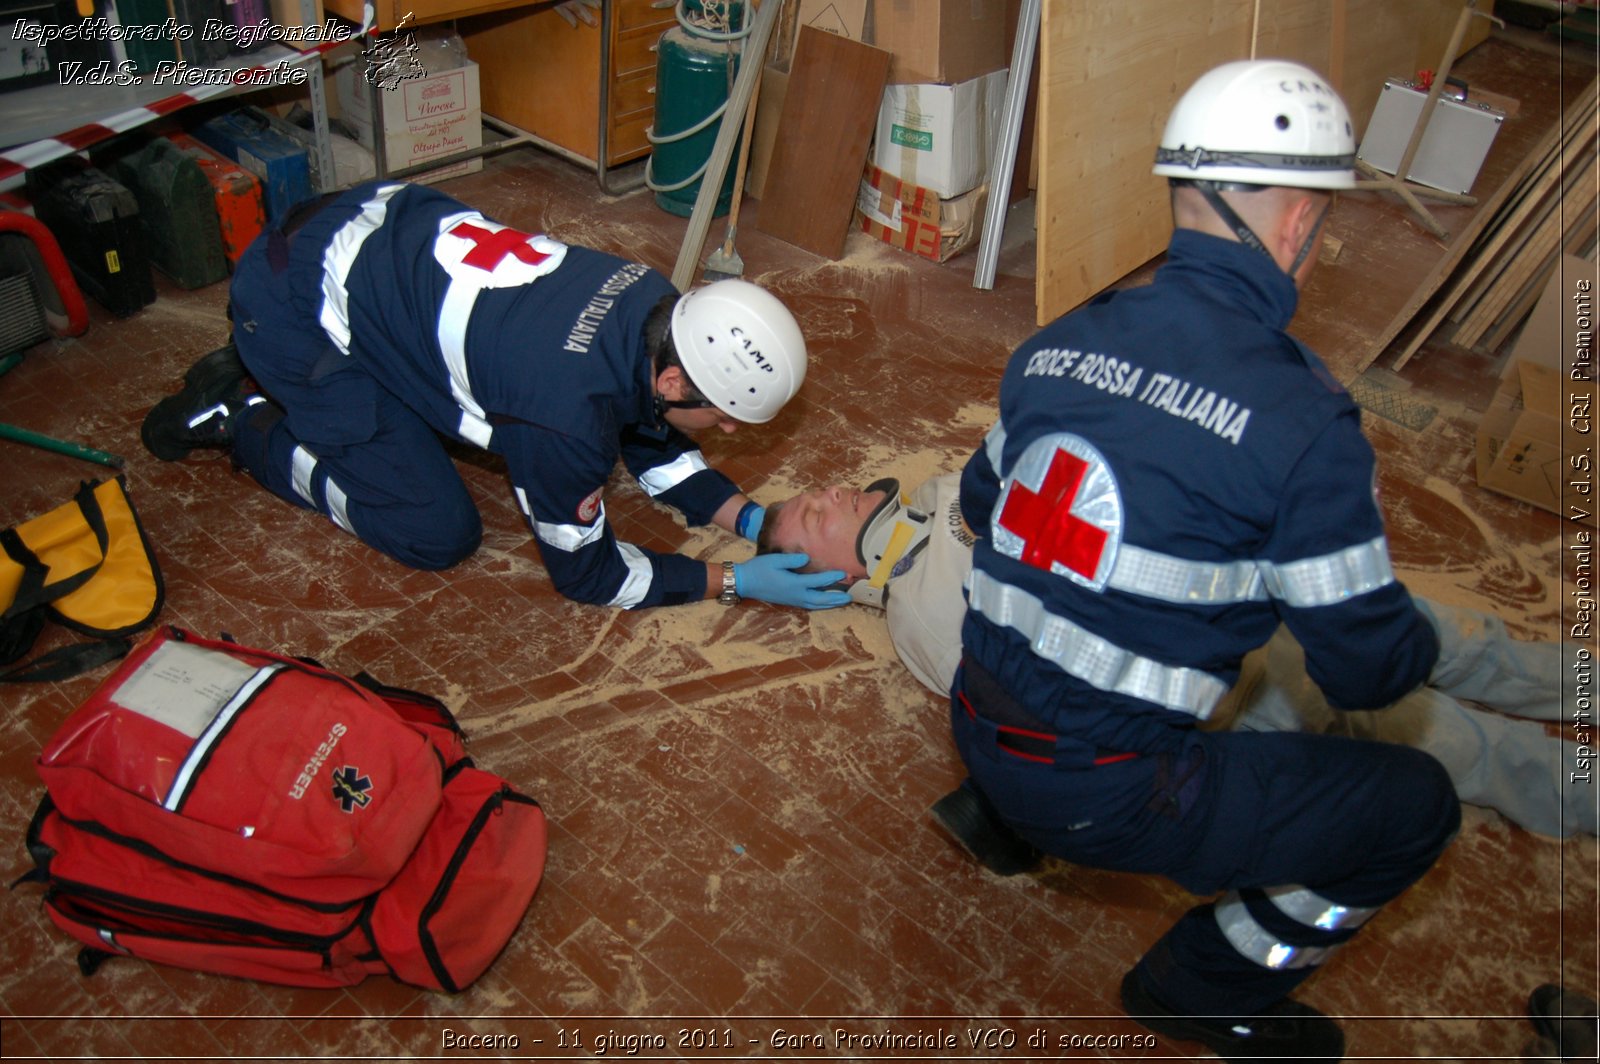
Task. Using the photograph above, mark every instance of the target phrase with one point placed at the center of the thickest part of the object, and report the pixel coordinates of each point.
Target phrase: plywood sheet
(1111, 73)
(829, 112)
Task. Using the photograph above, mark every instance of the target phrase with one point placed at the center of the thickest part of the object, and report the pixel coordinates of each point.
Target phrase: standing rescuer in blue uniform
(1171, 475)
(379, 319)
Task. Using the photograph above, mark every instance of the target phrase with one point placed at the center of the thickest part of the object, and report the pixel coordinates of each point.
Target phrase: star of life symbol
(487, 254)
(1060, 510)
(351, 789)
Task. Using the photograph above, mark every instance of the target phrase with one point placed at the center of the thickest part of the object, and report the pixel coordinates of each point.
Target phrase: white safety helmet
(1260, 122)
(740, 347)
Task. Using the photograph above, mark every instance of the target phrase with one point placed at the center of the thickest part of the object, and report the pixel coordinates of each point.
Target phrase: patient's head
(825, 524)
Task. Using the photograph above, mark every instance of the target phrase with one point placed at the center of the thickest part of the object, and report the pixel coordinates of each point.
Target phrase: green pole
(72, 450)
(34, 439)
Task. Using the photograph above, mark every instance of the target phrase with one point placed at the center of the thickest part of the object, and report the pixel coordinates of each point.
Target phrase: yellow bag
(85, 565)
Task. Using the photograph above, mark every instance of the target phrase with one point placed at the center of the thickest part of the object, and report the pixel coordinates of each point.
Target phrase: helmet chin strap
(1212, 191)
(893, 533)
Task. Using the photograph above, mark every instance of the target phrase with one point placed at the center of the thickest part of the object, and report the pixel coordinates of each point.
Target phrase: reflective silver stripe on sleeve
(337, 505)
(214, 731)
(1079, 652)
(1312, 909)
(1323, 581)
(994, 445)
(340, 258)
(522, 501)
(1332, 577)
(1256, 943)
(302, 464)
(669, 475)
(570, 537)
(455, 313)
(640, 575)
(1154, 575)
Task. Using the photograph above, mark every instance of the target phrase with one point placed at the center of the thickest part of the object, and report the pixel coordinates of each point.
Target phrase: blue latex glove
(775, 578)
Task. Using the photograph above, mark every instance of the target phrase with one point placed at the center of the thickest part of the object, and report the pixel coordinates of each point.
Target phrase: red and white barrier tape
(16, 162)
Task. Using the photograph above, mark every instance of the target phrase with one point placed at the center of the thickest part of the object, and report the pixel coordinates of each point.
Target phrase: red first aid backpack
(236, 811)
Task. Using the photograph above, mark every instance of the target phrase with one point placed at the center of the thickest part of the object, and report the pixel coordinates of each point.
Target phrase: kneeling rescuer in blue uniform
(1171, 475)
(376, 320)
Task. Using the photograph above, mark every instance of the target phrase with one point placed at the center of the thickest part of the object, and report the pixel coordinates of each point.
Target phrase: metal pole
(1004, 161)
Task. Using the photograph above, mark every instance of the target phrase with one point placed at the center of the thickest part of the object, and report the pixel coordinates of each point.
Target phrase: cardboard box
(425, 119)
(1542, 416)
(944, 41)
(940, 136)
(1521, 450)
(917, 219)
(845, 18)
(764, 134)
(289, 13)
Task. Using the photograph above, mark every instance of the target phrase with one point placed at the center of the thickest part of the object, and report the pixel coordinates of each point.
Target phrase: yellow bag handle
(85, 565)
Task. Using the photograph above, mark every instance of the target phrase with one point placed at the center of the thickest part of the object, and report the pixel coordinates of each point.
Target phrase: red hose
(77, 314)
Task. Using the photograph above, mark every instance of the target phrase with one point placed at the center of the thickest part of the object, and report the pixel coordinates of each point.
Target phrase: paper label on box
(867, 202)
(915, 139)
(437, 96)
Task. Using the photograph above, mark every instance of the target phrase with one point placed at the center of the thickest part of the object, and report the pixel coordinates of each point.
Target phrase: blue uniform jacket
(529, 348)
(1172, 475)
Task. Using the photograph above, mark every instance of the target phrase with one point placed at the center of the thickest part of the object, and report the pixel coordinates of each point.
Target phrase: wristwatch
(730, 586)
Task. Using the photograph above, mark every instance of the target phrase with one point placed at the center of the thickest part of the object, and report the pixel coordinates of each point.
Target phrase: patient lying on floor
(909, 552)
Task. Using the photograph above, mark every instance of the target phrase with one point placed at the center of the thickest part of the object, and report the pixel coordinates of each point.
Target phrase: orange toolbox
(238, 195)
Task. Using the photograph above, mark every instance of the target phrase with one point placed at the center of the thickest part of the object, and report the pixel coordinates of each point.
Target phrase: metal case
(1453, 148)
(1452, 151)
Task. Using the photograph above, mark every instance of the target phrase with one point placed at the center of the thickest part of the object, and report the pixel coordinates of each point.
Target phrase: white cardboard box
(940, 137)
(424, 118)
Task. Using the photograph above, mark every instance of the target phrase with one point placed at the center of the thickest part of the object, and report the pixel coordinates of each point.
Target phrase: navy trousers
(333, 438)
(1352, 822)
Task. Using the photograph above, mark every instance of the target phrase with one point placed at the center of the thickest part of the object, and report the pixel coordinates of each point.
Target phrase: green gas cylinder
(694, 74)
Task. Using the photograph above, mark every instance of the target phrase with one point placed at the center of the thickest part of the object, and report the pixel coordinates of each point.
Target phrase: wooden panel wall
(1110, 73)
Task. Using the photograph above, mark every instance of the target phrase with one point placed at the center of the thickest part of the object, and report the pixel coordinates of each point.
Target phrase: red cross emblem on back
(491, 246)
(1061, 510)
(1044, 520)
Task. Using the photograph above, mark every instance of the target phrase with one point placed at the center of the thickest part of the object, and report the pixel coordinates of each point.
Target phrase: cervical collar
(893, 534)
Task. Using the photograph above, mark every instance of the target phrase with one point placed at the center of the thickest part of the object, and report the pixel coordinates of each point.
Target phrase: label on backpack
(184, 687)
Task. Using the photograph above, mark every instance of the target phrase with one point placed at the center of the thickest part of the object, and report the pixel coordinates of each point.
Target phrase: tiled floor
(738, 797)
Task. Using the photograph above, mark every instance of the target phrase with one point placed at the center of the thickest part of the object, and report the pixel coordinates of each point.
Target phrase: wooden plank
(1389, 39)
(1463, 242)
(1110, 74)
(835, 87)
(1538, 185)
(1542, 244)
(1579, 232)
(1524, 213)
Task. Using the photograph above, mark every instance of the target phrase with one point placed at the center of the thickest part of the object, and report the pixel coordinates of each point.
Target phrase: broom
(724, 264)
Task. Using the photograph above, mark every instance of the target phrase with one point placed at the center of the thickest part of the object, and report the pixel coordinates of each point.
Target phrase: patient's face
(824, 524)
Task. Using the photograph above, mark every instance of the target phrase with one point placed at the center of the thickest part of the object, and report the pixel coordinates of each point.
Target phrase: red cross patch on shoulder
(487, 254)
(1060, 510)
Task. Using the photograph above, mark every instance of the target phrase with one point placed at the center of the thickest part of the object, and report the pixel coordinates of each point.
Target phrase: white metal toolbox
(1453, 148)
